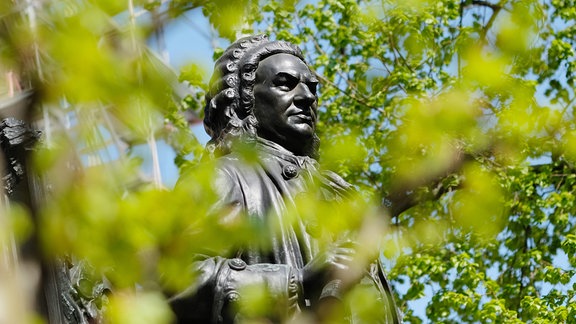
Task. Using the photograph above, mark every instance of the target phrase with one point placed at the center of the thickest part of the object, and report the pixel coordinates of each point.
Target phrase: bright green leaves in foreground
(142, 235)
(133, 308)
(99, 94)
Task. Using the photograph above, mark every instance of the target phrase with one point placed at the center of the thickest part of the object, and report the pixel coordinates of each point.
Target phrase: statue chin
(302, 127)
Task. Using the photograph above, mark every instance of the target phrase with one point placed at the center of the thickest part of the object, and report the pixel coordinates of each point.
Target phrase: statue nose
(303, 95)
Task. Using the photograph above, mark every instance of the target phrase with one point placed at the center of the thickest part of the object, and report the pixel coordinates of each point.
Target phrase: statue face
(285, 102)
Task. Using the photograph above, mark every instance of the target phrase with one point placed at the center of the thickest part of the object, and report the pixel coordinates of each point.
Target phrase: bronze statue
(263, 93)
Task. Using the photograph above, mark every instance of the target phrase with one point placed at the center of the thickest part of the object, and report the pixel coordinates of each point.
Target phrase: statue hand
(323, 267)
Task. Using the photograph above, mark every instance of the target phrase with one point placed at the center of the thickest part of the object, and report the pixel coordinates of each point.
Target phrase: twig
(349, 94)
(495, 10)
(352, 96)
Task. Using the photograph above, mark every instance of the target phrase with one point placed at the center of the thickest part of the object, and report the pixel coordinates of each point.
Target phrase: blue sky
(187, 40)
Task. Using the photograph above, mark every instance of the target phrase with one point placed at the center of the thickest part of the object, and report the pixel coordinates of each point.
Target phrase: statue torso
(266, 190)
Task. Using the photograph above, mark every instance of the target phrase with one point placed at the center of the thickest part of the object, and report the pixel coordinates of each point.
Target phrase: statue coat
(264, 192)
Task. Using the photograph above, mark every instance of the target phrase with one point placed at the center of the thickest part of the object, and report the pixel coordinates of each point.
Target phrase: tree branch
(495, 10)
(482, 3)
(404, 196)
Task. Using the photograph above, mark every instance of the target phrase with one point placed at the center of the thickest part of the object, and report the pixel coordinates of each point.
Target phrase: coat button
(237, 264)
(289, 171)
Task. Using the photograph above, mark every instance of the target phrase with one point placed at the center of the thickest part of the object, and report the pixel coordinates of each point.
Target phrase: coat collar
(277, 150)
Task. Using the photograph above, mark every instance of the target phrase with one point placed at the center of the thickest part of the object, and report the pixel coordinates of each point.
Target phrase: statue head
(262, 88)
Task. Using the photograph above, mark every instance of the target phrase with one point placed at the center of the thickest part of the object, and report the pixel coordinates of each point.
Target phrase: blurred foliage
(456, 117)
(99, 91)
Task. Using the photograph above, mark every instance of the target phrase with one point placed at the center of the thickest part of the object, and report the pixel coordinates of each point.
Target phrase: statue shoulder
(234, 174)
(233, 165)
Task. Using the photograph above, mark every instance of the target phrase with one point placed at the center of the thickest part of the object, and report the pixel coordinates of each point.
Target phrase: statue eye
(285, 82)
